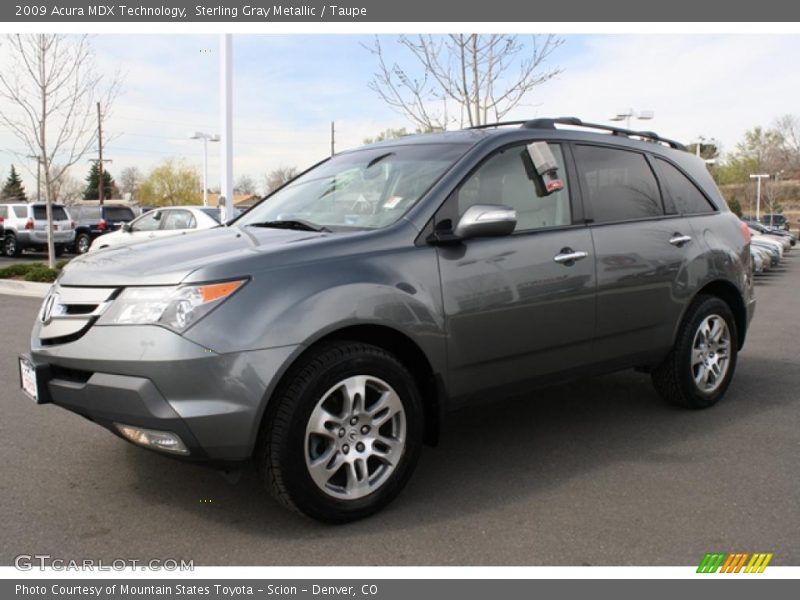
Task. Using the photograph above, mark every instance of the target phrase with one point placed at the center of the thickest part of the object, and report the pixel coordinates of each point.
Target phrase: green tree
(735, 207)
(13, 188)
(92, 180)
(172, 183)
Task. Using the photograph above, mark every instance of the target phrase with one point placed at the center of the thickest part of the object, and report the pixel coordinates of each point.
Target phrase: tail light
(102, 225)
(745, 233)
(2, 220)
(29, 224)
(72, 224)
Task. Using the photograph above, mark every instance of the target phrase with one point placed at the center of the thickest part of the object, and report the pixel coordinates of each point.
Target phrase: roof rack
(547, 123)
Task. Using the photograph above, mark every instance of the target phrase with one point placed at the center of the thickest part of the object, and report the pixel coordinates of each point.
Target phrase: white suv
(25, 226)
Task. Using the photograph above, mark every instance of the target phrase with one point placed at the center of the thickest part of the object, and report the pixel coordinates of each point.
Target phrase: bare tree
(480, 77)
(245, 185)
(788, 128)
(277, 177)
(68, 189)
(129, 180)
(52, 91)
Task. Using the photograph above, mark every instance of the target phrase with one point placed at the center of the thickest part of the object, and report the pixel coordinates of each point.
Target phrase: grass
(32, 271)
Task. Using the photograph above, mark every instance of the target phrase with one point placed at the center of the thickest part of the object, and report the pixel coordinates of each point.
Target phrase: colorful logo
(737, 562)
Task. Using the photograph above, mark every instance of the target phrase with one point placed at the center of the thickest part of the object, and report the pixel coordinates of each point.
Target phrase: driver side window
(504, 179)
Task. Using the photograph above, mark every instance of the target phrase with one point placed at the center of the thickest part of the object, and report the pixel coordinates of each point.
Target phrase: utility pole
(333, 138)
(100, 186)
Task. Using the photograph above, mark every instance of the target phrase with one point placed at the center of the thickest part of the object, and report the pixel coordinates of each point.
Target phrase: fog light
(160, 440)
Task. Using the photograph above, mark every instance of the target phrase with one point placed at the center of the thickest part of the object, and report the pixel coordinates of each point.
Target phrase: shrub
(42, 274)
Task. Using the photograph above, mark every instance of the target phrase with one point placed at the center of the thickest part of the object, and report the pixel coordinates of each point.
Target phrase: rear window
(118, 213)
(59, 214)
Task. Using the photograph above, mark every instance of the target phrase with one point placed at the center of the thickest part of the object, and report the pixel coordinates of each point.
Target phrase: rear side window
(178, 219)
(118, 213)
(619, 185)
(89, 213)
(687, 198)
(40, 213)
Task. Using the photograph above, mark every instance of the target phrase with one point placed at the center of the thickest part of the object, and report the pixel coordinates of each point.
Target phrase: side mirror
(126, 227)
(486, 220)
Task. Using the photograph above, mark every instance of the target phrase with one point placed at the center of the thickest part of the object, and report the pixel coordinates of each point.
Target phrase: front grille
(68, 312)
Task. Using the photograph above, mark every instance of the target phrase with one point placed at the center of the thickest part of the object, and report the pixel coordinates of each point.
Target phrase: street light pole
(226, 110)
(206, 137)
(758, 177)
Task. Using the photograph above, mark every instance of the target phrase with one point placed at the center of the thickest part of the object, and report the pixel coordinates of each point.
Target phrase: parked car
(775, 220)
(774, 248)
(94, 220)
(160, 223)
(757, 260)
(25, 227)
(783, 243)
(765, 254)
(328, 331)
(781, 233)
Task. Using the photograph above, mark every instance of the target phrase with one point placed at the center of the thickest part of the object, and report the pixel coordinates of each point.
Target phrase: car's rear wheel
(10, 245)
(82, 243)
(344, 434)
(698, 370)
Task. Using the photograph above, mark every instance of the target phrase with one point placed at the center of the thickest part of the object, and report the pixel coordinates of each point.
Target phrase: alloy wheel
(711, 353)
(355, 437)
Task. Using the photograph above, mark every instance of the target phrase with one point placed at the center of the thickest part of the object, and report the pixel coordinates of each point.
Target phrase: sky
(288, 89)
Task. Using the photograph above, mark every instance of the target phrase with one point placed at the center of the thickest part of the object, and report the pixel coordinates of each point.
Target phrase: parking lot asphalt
(595, 472)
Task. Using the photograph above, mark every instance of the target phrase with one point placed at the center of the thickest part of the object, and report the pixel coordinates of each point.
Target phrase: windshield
(365, 189)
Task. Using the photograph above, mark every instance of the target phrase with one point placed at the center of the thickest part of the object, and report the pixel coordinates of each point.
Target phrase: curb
(31, 289)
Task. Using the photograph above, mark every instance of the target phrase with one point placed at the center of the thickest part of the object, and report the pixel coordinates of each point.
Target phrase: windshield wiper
(299, 224)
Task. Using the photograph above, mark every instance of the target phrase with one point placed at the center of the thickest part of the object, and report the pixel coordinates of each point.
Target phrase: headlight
(176, 307)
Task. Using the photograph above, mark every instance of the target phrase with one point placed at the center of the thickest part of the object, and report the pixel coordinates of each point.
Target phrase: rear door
(643, 254)
(514, 314)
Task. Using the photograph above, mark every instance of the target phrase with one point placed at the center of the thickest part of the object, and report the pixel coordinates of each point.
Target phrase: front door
(515, 308)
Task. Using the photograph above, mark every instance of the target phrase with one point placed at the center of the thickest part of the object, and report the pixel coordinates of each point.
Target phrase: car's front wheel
(698, 370)
(343, 434)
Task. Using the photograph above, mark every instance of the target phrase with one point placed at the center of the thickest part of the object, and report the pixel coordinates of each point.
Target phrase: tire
(696, 374)
(380, 444)
(82, 243)
(10, 246)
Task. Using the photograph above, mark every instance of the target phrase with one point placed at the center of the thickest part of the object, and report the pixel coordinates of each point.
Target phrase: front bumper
(150, 377)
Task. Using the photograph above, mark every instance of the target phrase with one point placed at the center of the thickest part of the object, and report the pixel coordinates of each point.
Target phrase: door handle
(568, 256)
(679, 240)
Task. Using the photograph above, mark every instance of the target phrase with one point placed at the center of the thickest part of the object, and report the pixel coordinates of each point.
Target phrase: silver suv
(328, 331)
(25, 226)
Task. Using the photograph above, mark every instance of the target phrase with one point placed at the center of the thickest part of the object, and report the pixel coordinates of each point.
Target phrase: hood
(169, 261)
